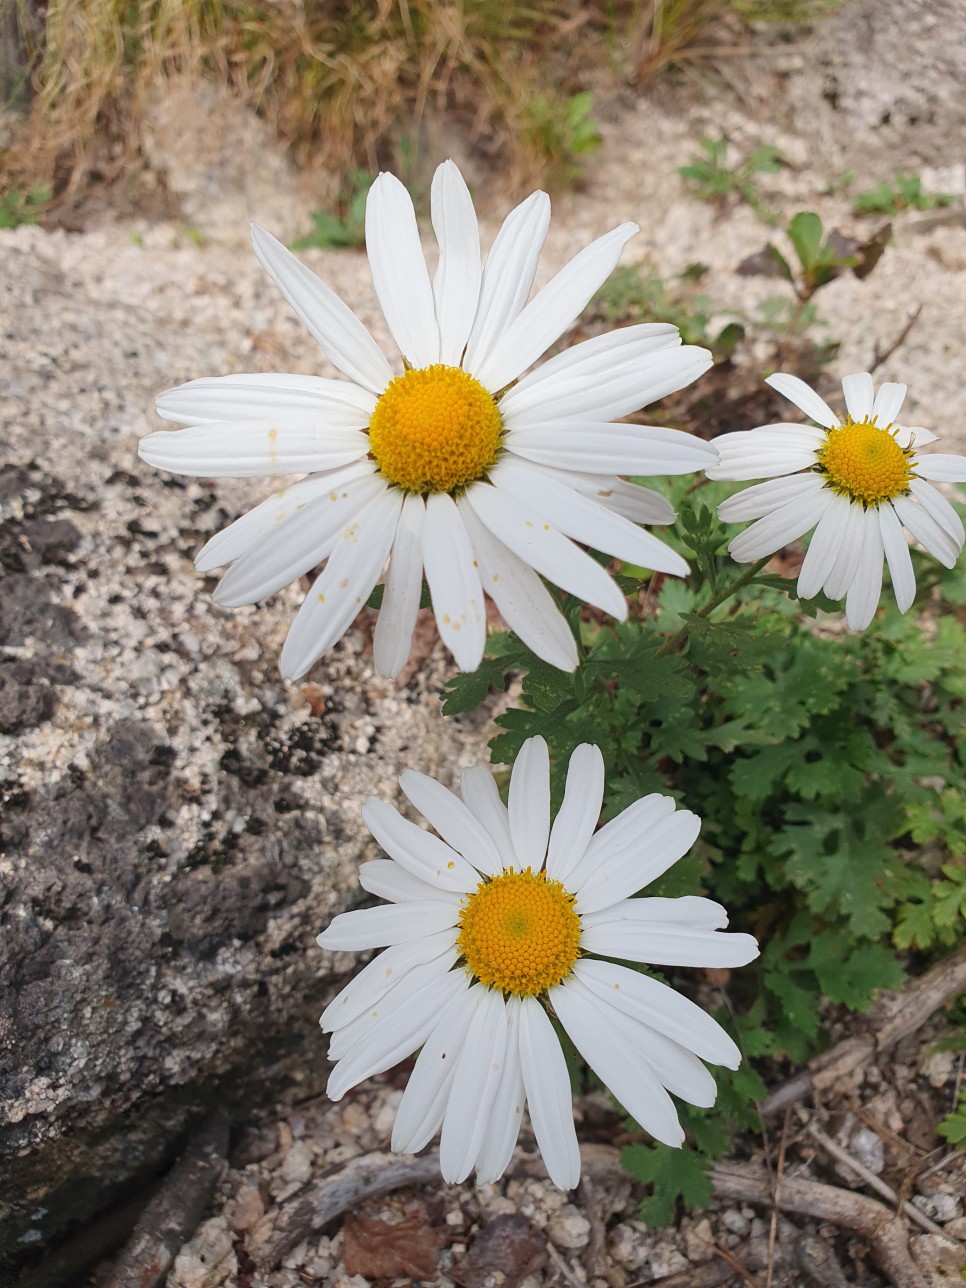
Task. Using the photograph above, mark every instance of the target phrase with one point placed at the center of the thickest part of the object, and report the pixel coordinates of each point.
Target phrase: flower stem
(706, 609)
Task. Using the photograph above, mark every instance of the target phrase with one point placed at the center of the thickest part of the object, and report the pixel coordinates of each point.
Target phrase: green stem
(750, 573)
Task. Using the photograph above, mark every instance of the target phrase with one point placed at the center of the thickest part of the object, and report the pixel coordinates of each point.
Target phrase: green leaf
(805, 234)
(674, 1173)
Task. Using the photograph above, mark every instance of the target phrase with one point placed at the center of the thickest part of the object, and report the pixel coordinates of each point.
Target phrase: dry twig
(172, 1216)
(883, 1230)
(873, 1181)
(880, 355)
(896, 1015)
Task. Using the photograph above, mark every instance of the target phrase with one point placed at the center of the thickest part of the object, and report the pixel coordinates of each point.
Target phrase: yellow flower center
(435, 429)
(519, 933)
(866, 463)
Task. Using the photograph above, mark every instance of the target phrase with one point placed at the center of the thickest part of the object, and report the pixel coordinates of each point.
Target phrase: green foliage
(562, 130)
(715, 180)
(953, 1126)
(347, 227)
(903, 192)
(820, 258)
(817, 762)
(631, 294)
(19, 206)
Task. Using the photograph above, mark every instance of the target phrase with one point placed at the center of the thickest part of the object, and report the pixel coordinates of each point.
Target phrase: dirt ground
(296, 1201)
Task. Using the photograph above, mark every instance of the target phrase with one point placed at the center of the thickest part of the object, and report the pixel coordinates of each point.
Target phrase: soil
(179, 823)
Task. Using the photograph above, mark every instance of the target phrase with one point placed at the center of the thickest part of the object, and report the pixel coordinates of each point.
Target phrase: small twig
(730, 1259)
(562, 1267)
(883, 1230)
(870, 1178)
(880, 356)
(337, 1191)
(172, 1216)
(898, 1015)
(773, 1228)
(595, 1256)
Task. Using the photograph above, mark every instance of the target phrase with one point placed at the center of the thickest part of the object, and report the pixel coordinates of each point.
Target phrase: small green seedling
(347, 228)
(903, 192)
(715, 181)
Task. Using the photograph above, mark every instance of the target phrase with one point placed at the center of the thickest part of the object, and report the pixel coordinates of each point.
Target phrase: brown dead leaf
(506, 1250)
(380, 1249)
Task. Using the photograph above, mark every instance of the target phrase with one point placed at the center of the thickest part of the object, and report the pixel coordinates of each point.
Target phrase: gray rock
(177, 822)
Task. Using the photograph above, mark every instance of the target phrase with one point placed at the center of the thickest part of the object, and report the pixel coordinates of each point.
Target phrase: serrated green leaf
(674, 1173)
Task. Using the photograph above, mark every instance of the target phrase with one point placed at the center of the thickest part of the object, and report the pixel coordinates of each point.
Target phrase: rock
(699, 1241)
(938, 1207)
(298, 1163)
(246, 1209)
(177, 822)
(940, 1259)
(569, 1228)
(201, 139)
(207, 1261)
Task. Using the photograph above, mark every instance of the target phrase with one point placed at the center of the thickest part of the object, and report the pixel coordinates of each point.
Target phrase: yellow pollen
(435, 429)
(519, 933)
(866, 463)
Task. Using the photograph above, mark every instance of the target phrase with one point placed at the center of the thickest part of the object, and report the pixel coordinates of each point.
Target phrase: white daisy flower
(455, 466)
(857, 482)
(501, 921)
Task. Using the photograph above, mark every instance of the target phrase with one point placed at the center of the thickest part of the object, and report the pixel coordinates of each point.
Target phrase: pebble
(569, 1228)
(297, 1167)
(938, 1207)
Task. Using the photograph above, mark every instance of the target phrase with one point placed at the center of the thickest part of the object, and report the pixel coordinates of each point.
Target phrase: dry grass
(345, 82)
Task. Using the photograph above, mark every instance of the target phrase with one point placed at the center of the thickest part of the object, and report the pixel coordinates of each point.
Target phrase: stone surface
(178, 823)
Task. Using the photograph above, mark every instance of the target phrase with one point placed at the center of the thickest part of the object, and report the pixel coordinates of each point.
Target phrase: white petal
(913, 436)
(847, 560)
(602, 448)
(638, 865)
(540, 545)
(612, 382)
(419, 852)
(859, 395)
(481, 794)
(549, 1098)
(662, 944)
(298, 544)
(685, 910)
(358, 1034)
(241, 536)
(476, 1077)
(246, 449)
(523, 600)
(453, 820)
(396, 1034)
(390, 923)
(935, 503)
(529, 803)
(621, 834)
(804, 397)
(339, 593)
(943, 467)
(388, 880)
(255, 396)
(639, 504)
(888, 404)
(552, 310)
(763, 498)
(824, 547)
(403, 588)
(508, 276)
(454, 582)
(897, 557)
(399, 271)
(423, 1105)
(924, 528)
(507, 1112)
(676, 1068)
(595, 1032)
(344, 340)
(380, 975)
(661, 1007)
(781, 527)
(600, 359)
(582, 519)
(761, 456)
(456, 286)
(578, 815)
